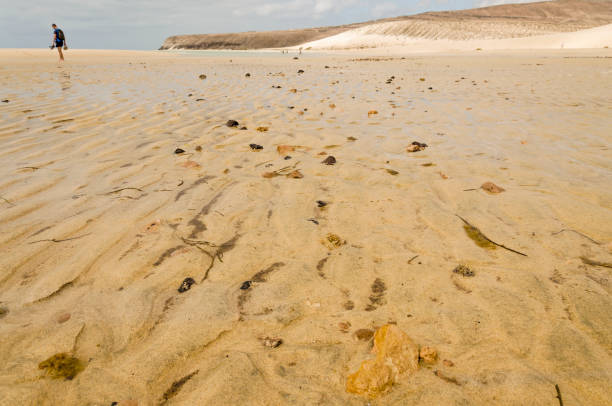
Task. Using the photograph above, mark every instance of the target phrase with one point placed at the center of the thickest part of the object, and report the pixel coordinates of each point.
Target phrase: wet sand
(101, 223)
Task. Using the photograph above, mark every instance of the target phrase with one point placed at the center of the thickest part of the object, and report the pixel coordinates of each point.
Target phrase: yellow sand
(100, 223)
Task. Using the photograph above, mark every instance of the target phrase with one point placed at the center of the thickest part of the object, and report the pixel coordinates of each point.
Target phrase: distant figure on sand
(59, 41)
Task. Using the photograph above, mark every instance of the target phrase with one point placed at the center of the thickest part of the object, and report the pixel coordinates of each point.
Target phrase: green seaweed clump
(478, 238)
(62, 365)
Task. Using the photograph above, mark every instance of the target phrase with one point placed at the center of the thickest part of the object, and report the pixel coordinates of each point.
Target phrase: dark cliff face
(581, 13)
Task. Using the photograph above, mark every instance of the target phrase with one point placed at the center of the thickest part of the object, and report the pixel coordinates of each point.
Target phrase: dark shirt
(58, 41)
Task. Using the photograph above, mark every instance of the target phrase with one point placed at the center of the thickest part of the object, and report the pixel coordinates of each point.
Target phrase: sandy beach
(221, 276)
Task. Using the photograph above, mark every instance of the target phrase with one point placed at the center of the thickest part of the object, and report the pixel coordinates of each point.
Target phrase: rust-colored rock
(492, 188)
(396, 354)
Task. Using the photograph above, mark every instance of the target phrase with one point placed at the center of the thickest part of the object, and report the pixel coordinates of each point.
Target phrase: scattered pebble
(372, 113)
(186, 285)
(321, 203)
(262, 129)
(255, 147)
(232, 123)
(245, 285)
(62, 318)
(392, 172)
(198, 148)
(3, 312)
(243, 128)
(202, 76)
(364, 334)
(272, 342)
(464, 271)
(295, 174)
(351, 138)
(5, 101)
(492, 188)
(416, 146)
(330, 160)
(288, 157)
(248, 75)
(179, 151)
(300, 72)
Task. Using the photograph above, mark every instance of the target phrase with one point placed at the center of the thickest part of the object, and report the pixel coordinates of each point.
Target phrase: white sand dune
(461, 36)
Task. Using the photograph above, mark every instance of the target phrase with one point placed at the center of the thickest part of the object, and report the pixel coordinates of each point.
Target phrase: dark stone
(287, 158)
(202, 76)
(245, 285)
(321, 203)
(186, 285)
(232, 123)
(300, 72)
(5, 101)
(314, 221)
(200, 99)
(243, 128)
(464, 271)
(330, 160)
(419, 144)
(179, 151)
(326, 67)
(295, 58)
(248, 75)
(255, 147)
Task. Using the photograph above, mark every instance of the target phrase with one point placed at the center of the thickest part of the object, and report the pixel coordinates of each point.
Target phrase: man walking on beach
(59, 41)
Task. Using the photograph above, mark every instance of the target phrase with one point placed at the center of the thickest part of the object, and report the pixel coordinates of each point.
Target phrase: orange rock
(396, 354)
(262, 129)
(284, 149)
(295, 175)
(492, 187)
(372, 113)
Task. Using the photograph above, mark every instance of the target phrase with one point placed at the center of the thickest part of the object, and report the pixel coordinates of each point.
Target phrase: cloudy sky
(144, 24)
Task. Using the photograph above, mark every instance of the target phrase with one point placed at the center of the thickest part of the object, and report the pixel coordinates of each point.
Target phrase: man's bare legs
(61, 54)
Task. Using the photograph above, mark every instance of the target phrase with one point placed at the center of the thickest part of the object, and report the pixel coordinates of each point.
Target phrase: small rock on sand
(492, 188)
(179, 151)
(62, 318)
(255, 147)
(464, 271)
(428, 355)
(272, 342)
(232, 123)
(202, 76)
(364, 334)
(330, 160)
(186, 285)
(396, 354)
